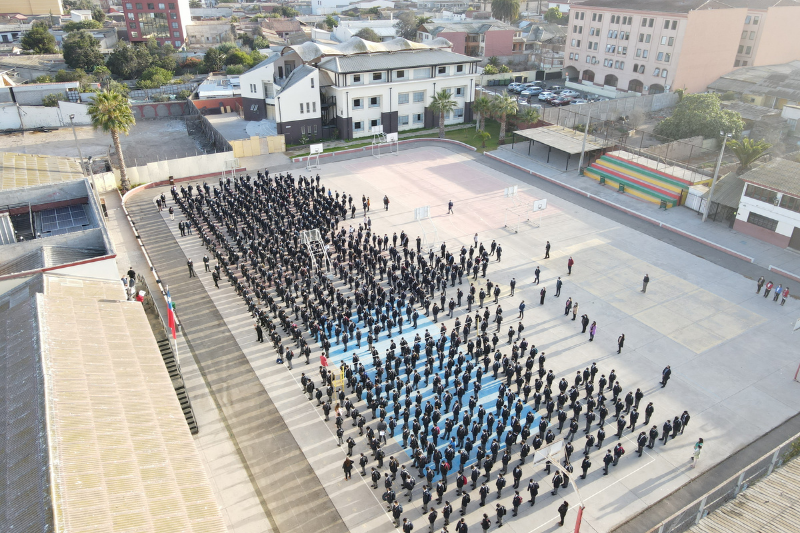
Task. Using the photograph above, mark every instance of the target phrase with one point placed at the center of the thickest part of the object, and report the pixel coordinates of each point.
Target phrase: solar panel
(63, 220)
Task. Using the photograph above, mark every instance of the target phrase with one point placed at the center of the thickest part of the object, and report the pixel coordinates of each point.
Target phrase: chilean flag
(171, 315)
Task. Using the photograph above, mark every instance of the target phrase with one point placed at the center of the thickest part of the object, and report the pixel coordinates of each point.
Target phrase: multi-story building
(473, 38)
(164, 20)
(615, 47)
(770, 205)
(32, 7)
(318, 91)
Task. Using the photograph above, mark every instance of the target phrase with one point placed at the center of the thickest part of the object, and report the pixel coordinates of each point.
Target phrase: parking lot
(534, 100)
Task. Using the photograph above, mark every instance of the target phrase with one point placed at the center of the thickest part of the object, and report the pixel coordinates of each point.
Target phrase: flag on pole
(171, 315)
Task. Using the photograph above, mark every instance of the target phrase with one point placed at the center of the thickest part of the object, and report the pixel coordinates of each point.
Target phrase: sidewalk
(677, 218)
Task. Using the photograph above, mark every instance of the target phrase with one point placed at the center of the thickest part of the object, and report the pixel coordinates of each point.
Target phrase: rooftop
(27, 170)
(469, 26)
(682, 6)
(750, 111)
(311, 51)
(780, 81)
(406, 59)
(781, 175)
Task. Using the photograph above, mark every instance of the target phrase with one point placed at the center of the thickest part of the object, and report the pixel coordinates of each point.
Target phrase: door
(794, 242)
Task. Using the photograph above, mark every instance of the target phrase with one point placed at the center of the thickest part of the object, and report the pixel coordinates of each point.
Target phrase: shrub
(154, 77)
(52, 100)
(235, 69)
(184, 94)
(489, 69)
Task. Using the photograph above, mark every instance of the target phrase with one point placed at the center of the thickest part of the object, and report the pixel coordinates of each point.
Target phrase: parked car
(531, 91)
(579, 101)
(514, 87)
(560, 100)
(571, 93)
(545, 95)
(556, 89)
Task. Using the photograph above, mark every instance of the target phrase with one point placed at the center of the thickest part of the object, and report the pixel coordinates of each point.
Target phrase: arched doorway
(635, 86)
(571, 73)
(610, 80)
(588, 75)
(656, 89)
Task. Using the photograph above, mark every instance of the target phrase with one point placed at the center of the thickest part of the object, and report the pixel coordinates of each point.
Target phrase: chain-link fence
(691, 514)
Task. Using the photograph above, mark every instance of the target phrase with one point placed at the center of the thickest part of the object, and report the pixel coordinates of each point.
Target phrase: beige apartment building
(618, 47)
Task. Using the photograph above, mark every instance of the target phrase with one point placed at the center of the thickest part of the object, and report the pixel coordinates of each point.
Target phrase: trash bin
(171, 181)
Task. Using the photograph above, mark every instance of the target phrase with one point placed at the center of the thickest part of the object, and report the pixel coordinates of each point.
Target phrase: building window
(301, 108)
(134, 34)
(422, 73)
(377, 76)
(656, 72)
(308, 107)
(254, 107)
(312, 83)
(356, 78)
(647, 38)
(667, 57)
(162, 6)
(313, 107)
(744, 64)
(358, 126)
(594, 17)
(752, 35)
(402, 98)
(374, 122)
(736, 63)
(402, 120)
(173, 16)
(418, 118)
(577, 57)
(178, 44)
(761, 194)
(664, 73)
(741, 49)
(666, 24)
(674, 24)
(460, 91)
(660, 56)
(128, 5)
(600, 17)
(400, 74)
(302, 130)
(174, 24)
(419, 97)
(791, 203)
(664, 40)
(154, 24)
(755, 20)
(358, 103)
(151, 6)
(171, 6)
(641, 69)
(375, 101)
(762, 221)
(650, 23)
(252, 87)
(132, 25)
(441, 70)
(644, 53)
(744, 34)
(459, 68)
(747, 50)
(747, 19)
(176, 34)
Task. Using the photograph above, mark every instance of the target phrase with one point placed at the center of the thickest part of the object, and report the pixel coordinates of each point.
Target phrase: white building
(770, 206)
(79, 15)
(326, 7)
(348, 28)
(319, 91)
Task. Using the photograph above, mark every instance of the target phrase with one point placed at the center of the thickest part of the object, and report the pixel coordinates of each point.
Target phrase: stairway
(639, 180)
(174, 370)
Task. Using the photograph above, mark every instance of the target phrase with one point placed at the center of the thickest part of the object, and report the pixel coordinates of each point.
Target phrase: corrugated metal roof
(355, 45)
(728, 191)
(779, 175)
(410, 59)
(27, 170)
(48, 256)
(121, 455)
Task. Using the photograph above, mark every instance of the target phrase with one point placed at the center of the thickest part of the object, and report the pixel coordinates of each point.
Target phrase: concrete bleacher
(639, 180)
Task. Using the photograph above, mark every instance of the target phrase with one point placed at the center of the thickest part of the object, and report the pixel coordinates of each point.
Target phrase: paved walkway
(288, 490)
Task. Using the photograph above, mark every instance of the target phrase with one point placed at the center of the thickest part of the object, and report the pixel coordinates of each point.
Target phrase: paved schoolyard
(730, 350)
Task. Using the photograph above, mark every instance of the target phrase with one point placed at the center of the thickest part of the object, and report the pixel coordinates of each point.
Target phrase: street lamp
(74, 134)
(725, 137)
(555, 462)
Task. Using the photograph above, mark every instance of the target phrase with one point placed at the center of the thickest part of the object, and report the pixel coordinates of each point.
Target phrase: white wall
(787, 220)
(302, 92)
(42, 117)
(178, 168)
(9, 117)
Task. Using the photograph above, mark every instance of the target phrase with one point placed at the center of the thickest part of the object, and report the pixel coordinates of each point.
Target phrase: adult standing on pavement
(767, 289)
(698, 447)
(546, 249)
(665, 374)
(522, 309)
(620, 343)
(785, 295)
(592, 331)
(190, 265)
(450, 207)
(385, 203)
(559, 283)
(570, 262)
(542, 294)
(645, 281)
(347, 466)
(760, 283)
(562, 512)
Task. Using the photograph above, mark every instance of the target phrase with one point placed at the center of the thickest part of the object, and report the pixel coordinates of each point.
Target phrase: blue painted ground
(487, 398)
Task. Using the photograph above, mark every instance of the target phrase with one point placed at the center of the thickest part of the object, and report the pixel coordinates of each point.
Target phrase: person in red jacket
(570, 262)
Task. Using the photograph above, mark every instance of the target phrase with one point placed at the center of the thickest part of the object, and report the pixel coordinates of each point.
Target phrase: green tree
(483, 106)
(529, 115)
(70, 27)
(493, 61)
(442, 103)
(111, 112)
(153, 78)
(81, 50)
(213, 60)
(484, 136)
(102, 74)
(699, 114)
(98, 14)
(406, 25)
(128, 61)
(39, 41)
(44, 79)
(368, 34)
(503, 69)
(489, 70)
(70, 75)
(507, 10)
(237, 57)
(331, 22)
(52, 100)
(748, 151)
(423, 20)
(503, 105)
(195, 4)
(233, 70)
(226, 48)
(553, 15)
(285, 11)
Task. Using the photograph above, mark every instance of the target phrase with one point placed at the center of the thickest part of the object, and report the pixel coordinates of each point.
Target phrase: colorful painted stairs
(639, 180)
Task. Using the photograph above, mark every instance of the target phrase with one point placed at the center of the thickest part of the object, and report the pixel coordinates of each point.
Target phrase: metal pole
(77, 144)
(585, 134)
(716, 173)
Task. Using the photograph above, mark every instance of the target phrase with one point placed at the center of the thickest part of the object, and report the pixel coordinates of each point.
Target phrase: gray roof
(298, 74)
(780, 81)
(750, 111)
(682, 6)
(728, 191)
(410, 59)
(781, 175)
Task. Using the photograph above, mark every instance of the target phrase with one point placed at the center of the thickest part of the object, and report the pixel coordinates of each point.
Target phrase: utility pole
(585, 134)
(725, 137)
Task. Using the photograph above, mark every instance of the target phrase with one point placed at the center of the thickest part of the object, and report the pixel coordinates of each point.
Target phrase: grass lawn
(466, 135)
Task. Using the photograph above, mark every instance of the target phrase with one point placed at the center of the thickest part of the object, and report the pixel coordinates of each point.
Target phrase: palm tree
(484, 136)
(111, 111)
(507, 10)
(482, 106)
(748, 151)
(423, 20)
(442, 103)
(504, 105)
(529, 115)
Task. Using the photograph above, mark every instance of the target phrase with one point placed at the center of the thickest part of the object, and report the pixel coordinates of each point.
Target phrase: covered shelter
(566, 140)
